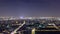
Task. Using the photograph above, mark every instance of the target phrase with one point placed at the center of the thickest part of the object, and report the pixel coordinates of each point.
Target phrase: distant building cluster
(16, 18)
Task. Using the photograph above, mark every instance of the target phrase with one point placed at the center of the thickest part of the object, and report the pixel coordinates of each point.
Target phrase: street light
(33, 31)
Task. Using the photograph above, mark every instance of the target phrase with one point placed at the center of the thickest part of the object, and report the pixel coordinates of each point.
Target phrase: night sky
(30, 8)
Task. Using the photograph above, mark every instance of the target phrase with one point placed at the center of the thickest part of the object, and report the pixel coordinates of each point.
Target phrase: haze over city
(29, 16)
(30, 8)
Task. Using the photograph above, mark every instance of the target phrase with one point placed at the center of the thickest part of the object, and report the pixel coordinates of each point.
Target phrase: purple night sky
(30, 8)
